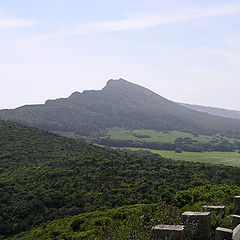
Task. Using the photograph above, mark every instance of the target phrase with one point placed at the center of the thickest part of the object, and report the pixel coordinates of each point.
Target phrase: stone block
(217, 209)
(235, 221)
(223, 234)
(167, 232)
(236, 233)
(237, 205)
(197, 225)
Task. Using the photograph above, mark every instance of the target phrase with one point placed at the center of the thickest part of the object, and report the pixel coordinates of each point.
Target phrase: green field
(225, 158)
(156, 136)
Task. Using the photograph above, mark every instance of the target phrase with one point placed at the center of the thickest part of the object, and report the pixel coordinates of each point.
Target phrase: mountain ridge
(119, 104)
(222, 112)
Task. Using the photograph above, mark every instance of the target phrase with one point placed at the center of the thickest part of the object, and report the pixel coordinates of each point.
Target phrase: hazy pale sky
(185, 50)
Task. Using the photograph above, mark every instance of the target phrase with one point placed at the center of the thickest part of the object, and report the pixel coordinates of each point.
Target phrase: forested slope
(136, 221)
(44, 176)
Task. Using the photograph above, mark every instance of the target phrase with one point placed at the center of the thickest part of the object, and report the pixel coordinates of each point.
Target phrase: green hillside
(44, 176)
(135, 221)
(119, 104)
(118, 223)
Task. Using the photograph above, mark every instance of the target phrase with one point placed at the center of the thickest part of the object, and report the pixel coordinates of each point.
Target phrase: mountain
(44, 176)
(119, 104)
(214, 111)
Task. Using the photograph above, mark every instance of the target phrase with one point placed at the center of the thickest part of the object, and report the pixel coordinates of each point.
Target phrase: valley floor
(225, 158)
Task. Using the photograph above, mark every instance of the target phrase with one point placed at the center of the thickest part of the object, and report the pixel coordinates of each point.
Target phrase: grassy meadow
(157, 136)
(225, 158)
(214, 157)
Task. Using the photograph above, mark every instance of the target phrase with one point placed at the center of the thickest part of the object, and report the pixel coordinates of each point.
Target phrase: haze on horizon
(187, 51)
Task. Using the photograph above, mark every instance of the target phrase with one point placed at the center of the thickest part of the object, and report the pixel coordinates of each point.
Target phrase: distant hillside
(119, 104)
(44, 176)
(214, 111)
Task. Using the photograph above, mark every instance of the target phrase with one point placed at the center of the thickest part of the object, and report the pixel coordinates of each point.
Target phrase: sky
(187, 51)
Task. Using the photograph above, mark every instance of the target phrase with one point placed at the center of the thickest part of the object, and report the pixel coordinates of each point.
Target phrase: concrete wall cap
(214, 207)
(169, 227)
(220, 229)
(196, 213)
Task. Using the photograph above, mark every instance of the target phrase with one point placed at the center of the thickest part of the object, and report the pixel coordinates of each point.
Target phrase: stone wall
(197, 225)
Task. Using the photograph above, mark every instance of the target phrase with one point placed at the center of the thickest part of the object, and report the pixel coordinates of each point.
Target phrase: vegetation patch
(138, 219)
(225, 158)
(168, 140)
(154, 136)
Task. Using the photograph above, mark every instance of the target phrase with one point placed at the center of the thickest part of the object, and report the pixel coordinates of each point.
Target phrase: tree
(178, 150)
